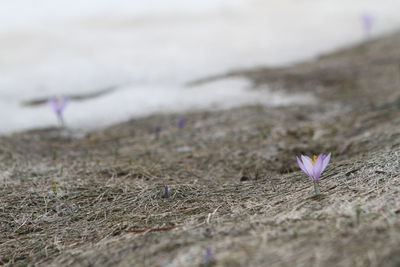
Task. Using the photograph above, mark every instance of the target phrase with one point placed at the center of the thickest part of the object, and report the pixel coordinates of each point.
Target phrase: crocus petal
(301, 165)
(325, 162)
(318, 167)
(308, 165)
(53, 103)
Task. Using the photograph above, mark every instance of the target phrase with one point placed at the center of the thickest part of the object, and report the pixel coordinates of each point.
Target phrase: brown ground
(235, 187)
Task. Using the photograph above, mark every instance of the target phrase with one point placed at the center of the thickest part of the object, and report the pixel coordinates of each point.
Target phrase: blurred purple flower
(157, 131)
(181, 122)
(58, 105)
(314, 167)
(166, 192)
(208, 257)
(367, 21)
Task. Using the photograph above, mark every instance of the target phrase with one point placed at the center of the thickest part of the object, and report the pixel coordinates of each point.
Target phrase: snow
(150, 50)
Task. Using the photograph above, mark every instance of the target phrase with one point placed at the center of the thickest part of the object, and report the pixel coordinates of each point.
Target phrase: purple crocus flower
(166, 192)
(314, 167)
(181, 122)
(367, 21)
(157, 131)
(208, 257)
(58, 105)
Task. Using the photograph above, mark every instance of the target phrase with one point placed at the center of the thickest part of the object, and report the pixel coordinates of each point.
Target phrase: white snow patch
(141, 101)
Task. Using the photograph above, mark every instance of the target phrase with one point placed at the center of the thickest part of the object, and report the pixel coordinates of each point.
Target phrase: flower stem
(316, 188)
(61, 120)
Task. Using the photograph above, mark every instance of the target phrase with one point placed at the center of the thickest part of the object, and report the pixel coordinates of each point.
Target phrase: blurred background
(126, 58)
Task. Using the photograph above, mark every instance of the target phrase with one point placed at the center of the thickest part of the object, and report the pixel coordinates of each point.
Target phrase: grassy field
(237, 196)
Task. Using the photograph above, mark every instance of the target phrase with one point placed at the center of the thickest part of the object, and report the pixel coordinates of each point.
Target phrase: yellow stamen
(314, 159)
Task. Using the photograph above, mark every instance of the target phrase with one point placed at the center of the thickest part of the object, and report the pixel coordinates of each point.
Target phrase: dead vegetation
(236, 191)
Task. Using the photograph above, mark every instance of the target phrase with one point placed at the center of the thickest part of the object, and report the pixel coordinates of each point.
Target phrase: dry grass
(98, 200)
